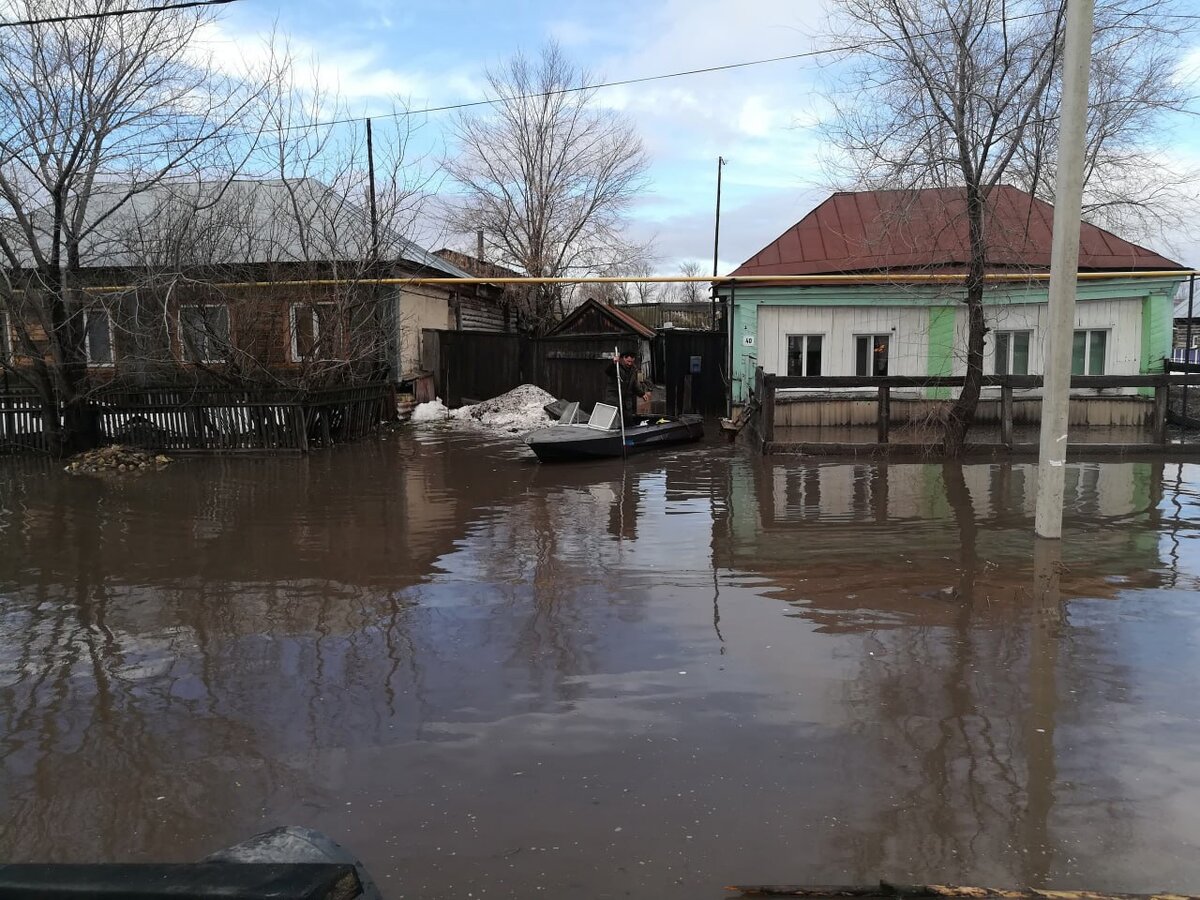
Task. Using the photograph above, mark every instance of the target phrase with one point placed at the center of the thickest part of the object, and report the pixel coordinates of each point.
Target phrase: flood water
(488, 677)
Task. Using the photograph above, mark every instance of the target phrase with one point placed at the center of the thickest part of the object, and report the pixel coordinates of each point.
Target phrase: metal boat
(600, 436)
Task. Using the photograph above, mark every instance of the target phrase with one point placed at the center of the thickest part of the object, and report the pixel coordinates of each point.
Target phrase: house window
(204, 331)
(315, 331)
(98, 337)
(1088, 351)
(804, 355)
(1012, 352)
(871, 354)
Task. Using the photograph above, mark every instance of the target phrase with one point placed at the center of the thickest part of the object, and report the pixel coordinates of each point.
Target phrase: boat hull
(563, 443)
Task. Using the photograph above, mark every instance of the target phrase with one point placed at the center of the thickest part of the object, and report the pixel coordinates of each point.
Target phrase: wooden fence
(213, 419)
(767, 387)
(470, 366)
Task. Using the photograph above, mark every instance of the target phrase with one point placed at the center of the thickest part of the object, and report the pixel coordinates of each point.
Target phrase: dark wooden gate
(475, 365)
(694, 368)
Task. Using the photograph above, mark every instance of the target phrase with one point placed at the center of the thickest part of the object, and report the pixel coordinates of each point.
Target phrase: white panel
(839, 325)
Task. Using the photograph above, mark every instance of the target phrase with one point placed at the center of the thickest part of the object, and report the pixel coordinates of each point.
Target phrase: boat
(600, 437)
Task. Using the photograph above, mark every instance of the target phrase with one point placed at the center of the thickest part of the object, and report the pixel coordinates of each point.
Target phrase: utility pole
(371, 181)
(716, 241)
(1064, 267)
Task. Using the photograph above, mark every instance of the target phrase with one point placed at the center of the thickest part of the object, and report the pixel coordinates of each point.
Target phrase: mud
(492, 678)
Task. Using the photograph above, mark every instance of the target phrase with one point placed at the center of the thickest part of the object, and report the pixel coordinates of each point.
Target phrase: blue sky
(761, 119)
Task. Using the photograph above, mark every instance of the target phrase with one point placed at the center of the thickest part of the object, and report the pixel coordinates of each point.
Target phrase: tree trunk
(962, 414)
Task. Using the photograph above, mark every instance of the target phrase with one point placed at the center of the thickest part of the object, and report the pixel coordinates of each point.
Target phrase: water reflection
(671, 675)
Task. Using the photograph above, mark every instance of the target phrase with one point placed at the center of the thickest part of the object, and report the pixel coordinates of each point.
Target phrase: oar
(620, 404)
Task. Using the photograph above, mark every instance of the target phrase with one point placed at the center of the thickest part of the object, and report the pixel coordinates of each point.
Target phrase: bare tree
(547, 176)
(964, 94)
(93, 113)
(301, 212)
(690, 291)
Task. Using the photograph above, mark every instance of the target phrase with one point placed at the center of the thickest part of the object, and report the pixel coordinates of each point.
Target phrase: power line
(490, 101)
(110, 13)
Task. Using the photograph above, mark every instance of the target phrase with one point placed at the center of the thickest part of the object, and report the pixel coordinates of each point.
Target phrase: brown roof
(868, 231)
(589, 316)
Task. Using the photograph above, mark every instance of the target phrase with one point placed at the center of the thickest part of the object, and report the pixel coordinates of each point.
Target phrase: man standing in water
(632, 385)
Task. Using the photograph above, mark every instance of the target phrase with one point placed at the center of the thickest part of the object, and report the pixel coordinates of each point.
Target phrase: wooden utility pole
(1064, 266)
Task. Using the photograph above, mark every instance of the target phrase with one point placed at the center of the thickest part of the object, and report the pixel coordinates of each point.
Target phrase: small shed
(594, 320)
(573, 356)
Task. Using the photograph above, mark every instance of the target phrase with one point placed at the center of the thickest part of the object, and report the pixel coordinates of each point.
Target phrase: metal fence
(212, 419)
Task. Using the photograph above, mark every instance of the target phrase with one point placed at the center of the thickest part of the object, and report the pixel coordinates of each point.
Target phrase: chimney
(479, 244)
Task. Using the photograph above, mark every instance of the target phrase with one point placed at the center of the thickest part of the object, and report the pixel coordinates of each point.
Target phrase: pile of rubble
(115, 458)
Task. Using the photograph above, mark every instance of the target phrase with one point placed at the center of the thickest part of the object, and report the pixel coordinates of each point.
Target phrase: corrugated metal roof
(872, 231)
(238, 222)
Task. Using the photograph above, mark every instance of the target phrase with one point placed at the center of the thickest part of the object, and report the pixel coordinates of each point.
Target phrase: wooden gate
(694, 365)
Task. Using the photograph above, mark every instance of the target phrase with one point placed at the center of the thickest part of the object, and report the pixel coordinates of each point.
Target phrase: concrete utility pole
(1064, 264)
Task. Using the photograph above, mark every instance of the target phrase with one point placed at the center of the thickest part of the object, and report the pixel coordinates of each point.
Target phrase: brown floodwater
(488, 677)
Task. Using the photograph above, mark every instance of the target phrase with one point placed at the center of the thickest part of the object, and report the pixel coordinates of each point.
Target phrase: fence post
(300, 424)
(768, 411)
(1006, 413)
(883, 413)
(1160, 411)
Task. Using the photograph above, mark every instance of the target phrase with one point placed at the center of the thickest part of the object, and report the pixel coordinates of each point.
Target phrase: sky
(764, 120)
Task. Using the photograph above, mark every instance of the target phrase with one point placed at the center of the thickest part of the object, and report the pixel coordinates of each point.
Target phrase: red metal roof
(905, 231)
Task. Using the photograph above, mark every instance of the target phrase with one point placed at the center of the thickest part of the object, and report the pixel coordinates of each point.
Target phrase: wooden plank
(285, 881)
(949, 891)
(1023, 382)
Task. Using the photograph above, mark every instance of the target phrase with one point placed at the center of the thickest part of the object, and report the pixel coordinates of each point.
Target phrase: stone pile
(115, 458)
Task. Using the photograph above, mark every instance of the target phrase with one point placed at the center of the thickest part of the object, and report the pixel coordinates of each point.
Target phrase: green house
(878, 326)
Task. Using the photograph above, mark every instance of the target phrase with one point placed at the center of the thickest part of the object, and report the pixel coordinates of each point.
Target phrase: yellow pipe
(668, 279)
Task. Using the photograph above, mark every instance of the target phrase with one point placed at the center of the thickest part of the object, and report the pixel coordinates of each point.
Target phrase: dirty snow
(433, 411)
(518, 411)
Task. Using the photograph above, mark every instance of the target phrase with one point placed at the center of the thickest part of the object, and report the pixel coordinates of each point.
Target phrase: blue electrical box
(695, 369)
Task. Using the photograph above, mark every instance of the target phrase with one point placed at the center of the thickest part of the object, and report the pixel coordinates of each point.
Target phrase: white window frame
(871, 335)
(806, 336)
(1012, 333)
(87, 339)
(1087, 349)
(316, 329)
(183, 348)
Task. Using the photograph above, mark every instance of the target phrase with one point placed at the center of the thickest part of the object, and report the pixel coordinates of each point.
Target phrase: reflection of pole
(1064, 264)
(1043, 705)
(716, 241)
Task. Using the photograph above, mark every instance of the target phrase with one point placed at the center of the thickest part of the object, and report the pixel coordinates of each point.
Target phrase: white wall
(1121, 318)
(419, 308)
(908, 352)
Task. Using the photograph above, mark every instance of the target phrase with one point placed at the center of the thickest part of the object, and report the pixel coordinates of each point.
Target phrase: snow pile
(433, 411)
(518, 411)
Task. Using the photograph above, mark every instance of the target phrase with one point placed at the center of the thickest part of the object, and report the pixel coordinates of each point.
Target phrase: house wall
(419, 308)
(930, 324)
(908, 352)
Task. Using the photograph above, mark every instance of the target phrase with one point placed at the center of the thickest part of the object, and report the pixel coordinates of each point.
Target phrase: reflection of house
(253, 276)
(931, 533)
(877, 327)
